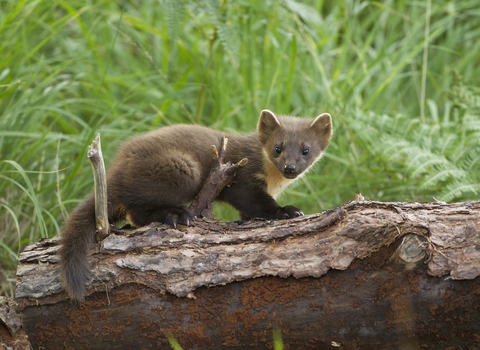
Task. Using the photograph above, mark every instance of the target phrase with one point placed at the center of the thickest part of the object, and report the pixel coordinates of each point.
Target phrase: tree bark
(409, 280)
(12, 336)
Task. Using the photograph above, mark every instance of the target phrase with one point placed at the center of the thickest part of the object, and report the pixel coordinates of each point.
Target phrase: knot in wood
(412, 248)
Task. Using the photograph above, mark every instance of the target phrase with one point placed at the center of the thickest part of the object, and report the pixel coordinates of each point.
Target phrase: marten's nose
(290, 168)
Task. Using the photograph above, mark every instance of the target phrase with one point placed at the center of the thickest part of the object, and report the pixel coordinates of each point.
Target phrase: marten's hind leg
(157, 187)
(168, 215)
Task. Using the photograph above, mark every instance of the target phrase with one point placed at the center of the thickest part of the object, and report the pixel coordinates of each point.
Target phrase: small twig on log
(220, 176)
(100, 179)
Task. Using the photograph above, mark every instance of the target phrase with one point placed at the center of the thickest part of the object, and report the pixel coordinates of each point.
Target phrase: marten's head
(293, 144)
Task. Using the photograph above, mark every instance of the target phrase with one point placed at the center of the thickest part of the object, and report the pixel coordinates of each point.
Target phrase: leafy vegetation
(400, 79)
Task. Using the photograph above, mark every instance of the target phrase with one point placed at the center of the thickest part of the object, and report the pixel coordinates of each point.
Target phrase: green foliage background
(400, 79)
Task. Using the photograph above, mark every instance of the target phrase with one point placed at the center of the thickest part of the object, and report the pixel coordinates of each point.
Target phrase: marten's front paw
(288, 212)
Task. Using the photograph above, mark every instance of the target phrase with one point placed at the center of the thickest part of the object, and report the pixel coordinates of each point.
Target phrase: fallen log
(409, 280)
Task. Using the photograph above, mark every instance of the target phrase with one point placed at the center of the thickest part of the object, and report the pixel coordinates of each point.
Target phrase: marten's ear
(268, 124)
(323, 129)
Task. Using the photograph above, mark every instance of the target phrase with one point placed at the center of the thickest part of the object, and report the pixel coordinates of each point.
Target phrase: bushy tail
(77, 235)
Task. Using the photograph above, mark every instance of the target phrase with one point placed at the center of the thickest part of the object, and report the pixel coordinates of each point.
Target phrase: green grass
(401, 86)
(276, 335)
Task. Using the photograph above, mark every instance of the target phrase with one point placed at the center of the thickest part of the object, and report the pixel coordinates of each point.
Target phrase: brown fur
(156, 174)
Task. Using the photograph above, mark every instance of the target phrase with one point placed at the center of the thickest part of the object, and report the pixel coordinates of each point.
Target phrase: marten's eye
(306, 152)
(278, 150)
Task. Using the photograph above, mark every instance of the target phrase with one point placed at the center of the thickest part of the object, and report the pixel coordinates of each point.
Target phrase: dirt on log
(409, 281)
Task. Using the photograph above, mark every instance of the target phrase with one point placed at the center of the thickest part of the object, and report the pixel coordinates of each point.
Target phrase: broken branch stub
(100, 179)
(221, 175)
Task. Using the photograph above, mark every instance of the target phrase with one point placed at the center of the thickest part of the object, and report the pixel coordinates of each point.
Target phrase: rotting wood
(95, 156)
(390, 252)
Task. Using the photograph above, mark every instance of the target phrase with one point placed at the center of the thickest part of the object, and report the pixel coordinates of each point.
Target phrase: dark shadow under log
(409, 281)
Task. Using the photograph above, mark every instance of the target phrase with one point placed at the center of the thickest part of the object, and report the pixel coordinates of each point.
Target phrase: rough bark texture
(12, 335)
(410, 281)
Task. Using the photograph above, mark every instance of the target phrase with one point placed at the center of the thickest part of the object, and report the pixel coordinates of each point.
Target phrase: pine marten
(156, 174)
